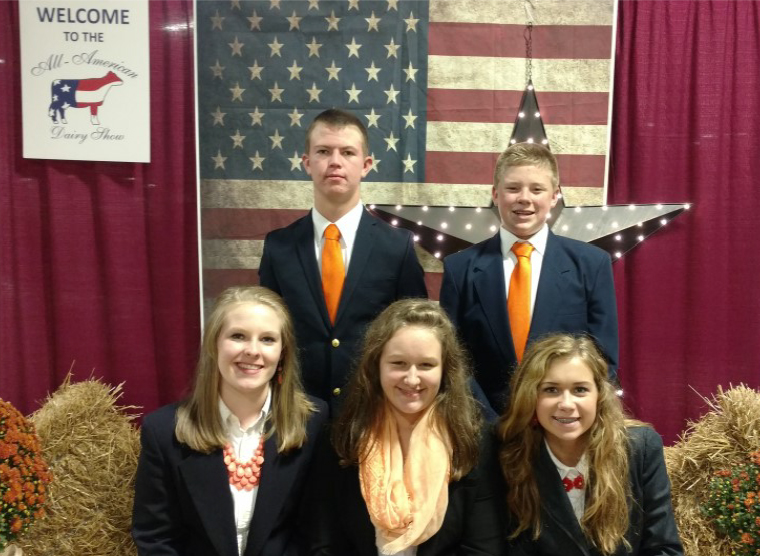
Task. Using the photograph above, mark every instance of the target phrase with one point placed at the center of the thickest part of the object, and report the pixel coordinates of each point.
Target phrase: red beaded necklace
(245, 475)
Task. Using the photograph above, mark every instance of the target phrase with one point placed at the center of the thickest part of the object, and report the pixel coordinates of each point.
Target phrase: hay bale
(721, 439)
(92, 449)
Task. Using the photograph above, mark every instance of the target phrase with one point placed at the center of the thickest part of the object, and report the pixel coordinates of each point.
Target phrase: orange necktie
(518, 303)
(333, 272)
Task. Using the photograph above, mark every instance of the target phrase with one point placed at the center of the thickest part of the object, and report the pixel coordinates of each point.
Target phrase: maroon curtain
(686, 123)
(98, 260)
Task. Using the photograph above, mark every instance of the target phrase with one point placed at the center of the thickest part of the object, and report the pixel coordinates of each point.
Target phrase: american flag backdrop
(437, 83)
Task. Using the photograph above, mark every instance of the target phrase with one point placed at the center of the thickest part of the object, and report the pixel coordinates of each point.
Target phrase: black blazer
(382, 269)
(183, 504)
(576, 294)
(340, 523)
(652, 531)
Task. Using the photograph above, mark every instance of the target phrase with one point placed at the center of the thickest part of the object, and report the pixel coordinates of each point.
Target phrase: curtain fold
(685, 129)
(99, 260)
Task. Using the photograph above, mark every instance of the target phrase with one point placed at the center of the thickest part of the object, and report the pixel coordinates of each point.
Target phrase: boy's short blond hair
(525, 154)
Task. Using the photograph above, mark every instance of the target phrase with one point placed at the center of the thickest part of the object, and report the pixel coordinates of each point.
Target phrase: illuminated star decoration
(614, 228)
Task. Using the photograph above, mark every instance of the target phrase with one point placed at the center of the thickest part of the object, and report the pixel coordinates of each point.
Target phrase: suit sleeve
(602, 314)
(156, 520)
(267, 277)
(308, 525)
(484, 528)
(411, 280)
(321, 536)
(449, 300)
(449, 297)
(659, 533)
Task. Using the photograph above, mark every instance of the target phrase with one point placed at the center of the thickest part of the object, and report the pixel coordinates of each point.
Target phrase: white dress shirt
(347, 225)
(538, 241)
(244, 443)
(577, 496)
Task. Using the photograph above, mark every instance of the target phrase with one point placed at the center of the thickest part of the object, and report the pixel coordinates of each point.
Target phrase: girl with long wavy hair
(581, 478)
(222, 472)
(410, 472)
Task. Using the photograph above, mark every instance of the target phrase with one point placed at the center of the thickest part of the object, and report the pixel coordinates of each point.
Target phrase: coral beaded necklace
(244, 475)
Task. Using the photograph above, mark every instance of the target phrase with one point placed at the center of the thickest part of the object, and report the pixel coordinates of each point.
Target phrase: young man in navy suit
(379, 264)
(567, 287)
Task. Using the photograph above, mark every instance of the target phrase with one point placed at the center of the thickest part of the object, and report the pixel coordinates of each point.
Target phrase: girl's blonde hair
(605, 519)
(199, 423)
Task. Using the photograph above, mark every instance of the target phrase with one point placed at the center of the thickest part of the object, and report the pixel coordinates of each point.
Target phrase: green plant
(733, 503)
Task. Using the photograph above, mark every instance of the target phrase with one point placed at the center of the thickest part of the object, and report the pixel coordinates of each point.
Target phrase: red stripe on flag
(90, 85)
(477, 168)
(465, 105)
(242, 223)
(581, 170)
(215, 281)
(93, 84)
(549, 41)
(447, 167)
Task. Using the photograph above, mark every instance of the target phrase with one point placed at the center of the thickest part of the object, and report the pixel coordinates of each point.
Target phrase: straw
(92, 449)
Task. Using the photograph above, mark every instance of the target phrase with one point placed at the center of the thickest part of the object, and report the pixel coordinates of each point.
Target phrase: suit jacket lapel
(488, 278)
(360, 254)
(550, 287)
(278, 474)
(308, 260)
(206, 481)
(556, 504)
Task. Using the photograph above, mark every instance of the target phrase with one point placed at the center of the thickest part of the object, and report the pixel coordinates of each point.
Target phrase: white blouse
(244, 443)
(577, 496)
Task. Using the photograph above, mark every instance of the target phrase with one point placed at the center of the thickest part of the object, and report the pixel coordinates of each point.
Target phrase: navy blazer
(382, 269)
(473, 525)
(652, 530)
(576, 294)
(183, 504)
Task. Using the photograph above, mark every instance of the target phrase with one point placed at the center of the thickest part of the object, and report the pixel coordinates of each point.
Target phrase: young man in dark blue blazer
(570, 282)
(380, 265)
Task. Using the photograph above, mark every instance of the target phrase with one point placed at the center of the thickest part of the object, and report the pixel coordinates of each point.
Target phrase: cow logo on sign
(80, 93)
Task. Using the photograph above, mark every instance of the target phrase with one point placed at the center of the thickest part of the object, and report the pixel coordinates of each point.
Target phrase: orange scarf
(406, 500)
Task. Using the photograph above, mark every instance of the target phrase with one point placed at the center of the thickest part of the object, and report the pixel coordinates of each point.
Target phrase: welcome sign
(85, 80)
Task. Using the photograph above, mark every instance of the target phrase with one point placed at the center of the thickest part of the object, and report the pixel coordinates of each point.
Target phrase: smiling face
(524, 198)
(336, 162)
(249, 346)
(411, 370)
(566, 407)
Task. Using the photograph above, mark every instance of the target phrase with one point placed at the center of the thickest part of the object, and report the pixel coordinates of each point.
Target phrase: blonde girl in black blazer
(581, 479)
(222, 472)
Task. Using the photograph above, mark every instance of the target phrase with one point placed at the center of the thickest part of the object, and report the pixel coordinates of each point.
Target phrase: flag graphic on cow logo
(80, 93)
(437, 84)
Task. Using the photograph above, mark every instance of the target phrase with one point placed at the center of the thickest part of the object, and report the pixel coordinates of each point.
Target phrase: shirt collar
(537, 240)
(565, 470)
(347, 224)
(232, 423)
